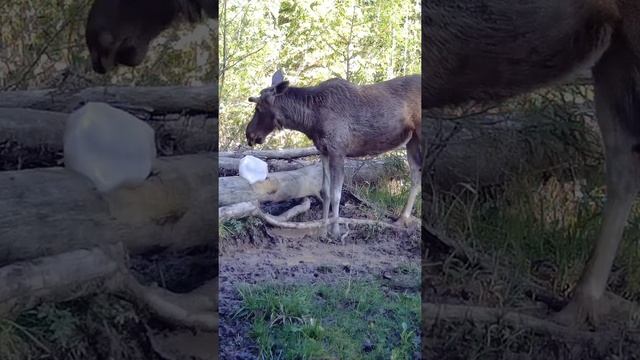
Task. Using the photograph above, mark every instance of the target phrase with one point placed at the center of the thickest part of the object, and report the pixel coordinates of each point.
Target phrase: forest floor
(357, 299)
(520, 249)
(104, 326)
(107, 326)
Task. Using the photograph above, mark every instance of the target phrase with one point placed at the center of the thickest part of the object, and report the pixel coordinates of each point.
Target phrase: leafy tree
(42, 43)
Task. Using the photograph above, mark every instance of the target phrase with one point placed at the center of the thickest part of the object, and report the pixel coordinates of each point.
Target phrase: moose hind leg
(337, 179)
(617, 80)
(414, 157)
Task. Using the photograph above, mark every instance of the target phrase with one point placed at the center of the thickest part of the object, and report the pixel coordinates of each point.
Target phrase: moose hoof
(335, 232)
(582, 311)
(406, 221)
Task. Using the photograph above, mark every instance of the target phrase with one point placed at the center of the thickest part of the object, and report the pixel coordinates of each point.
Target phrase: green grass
(231, 228)
(527, 223)
(70, 330)
(390, 196)
(351, 320)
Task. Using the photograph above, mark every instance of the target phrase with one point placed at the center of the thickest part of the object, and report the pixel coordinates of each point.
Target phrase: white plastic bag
(109, 146)
(253, 169)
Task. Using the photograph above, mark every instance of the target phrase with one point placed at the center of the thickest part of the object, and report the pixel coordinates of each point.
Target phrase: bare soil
(265, 254)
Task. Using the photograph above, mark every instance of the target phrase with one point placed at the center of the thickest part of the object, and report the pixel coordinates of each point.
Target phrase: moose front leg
(336, 167)
(326, 192)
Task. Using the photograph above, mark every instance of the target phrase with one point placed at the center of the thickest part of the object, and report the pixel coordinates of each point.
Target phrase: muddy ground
(262, 253)
(482, 280)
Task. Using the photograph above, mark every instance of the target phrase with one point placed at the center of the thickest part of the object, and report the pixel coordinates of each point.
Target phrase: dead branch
(246, 209)
(195, 310)
(320, 223)
(434, 313)
(461, 250)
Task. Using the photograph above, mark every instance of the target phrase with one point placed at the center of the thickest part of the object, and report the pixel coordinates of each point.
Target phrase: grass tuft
(351, 320)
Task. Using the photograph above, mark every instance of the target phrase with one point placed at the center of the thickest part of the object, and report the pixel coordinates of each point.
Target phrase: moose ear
(253, 99)
(282, 87)
(277, 77)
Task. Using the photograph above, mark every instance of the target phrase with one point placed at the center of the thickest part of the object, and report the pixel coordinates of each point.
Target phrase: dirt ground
(449, 277)
(263, 253)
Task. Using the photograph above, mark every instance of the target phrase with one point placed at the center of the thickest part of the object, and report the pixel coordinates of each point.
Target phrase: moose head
(267, 115)
(118, 32)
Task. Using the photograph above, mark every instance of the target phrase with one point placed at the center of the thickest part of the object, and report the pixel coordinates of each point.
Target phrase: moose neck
(296, 107)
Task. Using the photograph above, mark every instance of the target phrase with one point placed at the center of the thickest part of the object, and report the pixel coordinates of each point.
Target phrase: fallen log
(45, 212)
(303, 182)
(84, 272)
(229, 166)
(293, 153)
(153, 99)
(39, 130)
(368, 173)
(486, 150)
(25, 284)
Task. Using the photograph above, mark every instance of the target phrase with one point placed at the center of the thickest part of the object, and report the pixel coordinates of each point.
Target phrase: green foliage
(536, 227)
(364, 41)
(74, 330)
(42, 42)
(389, 195)
(345, 321)
(230, 228)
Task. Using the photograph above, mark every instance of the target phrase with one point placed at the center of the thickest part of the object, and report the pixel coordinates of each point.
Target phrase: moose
(345, 120)
(491, 50)
(118, 32)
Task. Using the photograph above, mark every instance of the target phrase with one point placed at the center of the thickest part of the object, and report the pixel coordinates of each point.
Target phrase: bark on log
(306, 181)
(158, 99)
(278, 186)
(83, 272)
(45, 212)
(31, 136)
(24, 285)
